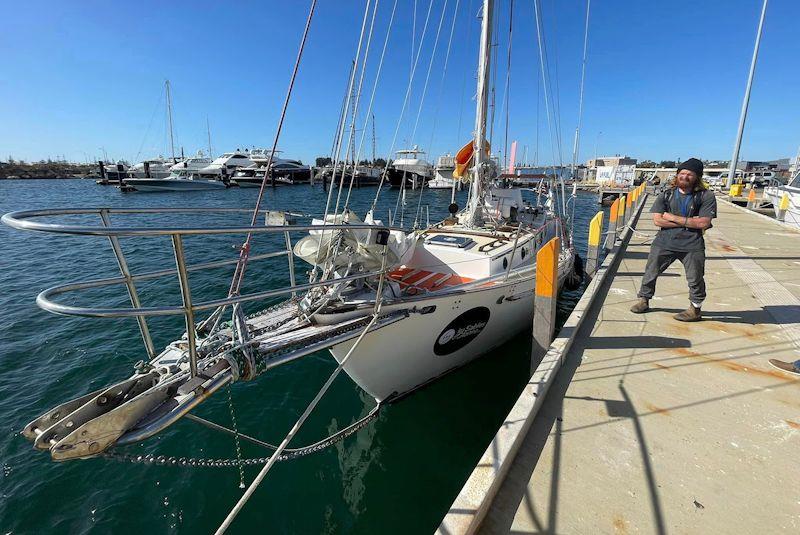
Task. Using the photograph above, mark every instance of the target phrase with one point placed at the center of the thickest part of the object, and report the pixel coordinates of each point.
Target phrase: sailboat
(396, 308)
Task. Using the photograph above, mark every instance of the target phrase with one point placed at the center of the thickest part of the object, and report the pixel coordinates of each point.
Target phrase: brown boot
(690, 314)
(641, 306)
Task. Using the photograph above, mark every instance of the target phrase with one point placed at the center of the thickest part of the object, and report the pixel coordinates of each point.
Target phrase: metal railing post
(183, 278)
(290, 254)
(134, 296)
(383, 239)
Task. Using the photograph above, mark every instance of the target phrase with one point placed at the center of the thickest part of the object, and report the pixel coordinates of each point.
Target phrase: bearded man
(682, 212)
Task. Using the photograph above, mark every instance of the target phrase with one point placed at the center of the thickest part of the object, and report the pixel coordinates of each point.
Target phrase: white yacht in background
(226, 163)
(410, 166)
(443, 173)
(791, 190)
(192, 163)
(155, 167)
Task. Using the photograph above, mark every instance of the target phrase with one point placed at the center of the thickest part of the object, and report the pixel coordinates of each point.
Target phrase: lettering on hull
(461, 331)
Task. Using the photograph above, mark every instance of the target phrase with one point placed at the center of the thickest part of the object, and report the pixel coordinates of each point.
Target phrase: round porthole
(524, 252)
(505, 263)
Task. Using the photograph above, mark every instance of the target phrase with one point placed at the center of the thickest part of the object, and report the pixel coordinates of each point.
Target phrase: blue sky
(664, 79)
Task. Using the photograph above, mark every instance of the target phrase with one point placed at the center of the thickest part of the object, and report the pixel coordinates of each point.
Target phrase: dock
(650, 425)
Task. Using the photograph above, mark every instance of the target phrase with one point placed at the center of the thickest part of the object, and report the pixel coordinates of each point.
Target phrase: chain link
(236, 438)
(162, 460)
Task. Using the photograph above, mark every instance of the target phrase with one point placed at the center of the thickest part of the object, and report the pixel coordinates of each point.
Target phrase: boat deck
(656, 426)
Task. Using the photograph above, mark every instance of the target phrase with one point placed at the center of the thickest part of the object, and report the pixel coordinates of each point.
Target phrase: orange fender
(463, 158)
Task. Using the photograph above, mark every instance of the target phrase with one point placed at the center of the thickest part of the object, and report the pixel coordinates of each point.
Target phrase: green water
(397, 475)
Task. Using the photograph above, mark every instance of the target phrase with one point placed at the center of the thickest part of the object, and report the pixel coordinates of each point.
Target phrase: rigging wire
(424, 93)
(351, 136)
(576, 142)
(463, 83)
(314, 271)
(338, 150)
(372, 99)
(150, 123)
(556, 95)
(342, 112)
(402, 110)
(241, 266)
(439, 97)
(507, 90)
(428, 74)
(400, 206)
(542, 63)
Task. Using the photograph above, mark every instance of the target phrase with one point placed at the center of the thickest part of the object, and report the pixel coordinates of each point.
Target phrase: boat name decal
(461, 331)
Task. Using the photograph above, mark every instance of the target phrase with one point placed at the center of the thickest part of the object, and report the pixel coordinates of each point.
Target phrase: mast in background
(169, 119)
(475, 212)
(746, 102)
(208, 131)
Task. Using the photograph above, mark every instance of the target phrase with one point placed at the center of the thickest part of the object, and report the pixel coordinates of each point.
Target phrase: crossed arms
(668, 220)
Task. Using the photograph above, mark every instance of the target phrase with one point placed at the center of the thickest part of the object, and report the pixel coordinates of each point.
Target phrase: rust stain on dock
(656, 409)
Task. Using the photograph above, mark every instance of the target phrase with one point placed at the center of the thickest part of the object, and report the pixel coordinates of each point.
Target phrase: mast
(208, 131)
(169, 120)
(475, 211)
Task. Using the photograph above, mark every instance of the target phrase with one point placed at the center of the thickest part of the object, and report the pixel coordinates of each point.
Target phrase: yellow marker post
(612, 226)
(621, 214)
(751, 199)
(593, 254)
(783, 207)
(544, 302)
(628, 204)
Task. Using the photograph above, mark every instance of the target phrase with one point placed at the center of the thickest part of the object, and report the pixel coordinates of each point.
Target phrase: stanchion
(544, 302)
(621, 214)
(593, 254)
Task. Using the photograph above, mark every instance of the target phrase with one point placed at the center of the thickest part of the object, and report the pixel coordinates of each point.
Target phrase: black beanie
(694, 165)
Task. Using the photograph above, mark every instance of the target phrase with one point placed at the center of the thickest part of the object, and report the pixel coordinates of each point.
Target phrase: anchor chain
(236, 438)
(163, 460)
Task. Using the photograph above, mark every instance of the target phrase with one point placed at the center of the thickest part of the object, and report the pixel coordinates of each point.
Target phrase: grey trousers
(694, 263)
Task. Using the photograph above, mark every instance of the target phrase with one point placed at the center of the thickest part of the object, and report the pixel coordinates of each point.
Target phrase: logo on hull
(461, 331)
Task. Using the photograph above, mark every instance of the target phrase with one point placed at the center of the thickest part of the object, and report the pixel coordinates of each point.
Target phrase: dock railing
(29, 220)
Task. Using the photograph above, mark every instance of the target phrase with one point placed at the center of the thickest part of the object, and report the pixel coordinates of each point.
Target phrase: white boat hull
(463, 326)
(179, 184)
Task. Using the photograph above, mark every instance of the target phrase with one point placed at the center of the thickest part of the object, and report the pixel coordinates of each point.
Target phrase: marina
(284, 334)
